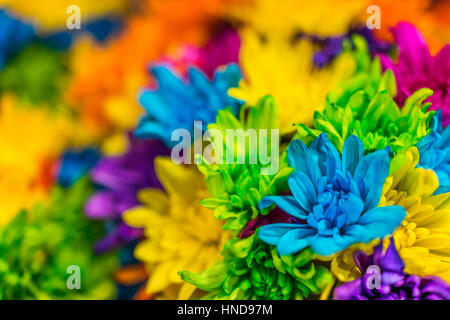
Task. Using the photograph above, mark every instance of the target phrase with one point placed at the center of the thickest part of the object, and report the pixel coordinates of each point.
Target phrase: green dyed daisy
(36, 75)
(364, 106)
(237, 187)
(252, 269)
(37, 248)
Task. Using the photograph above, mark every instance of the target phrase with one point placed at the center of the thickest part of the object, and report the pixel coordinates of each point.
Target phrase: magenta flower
(221, 50)
(416, 68)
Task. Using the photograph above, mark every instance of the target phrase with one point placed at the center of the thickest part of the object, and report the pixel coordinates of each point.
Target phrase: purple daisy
(383, 279)
(120, 178)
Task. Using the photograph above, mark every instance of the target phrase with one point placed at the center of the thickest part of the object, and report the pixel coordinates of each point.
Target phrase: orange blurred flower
(432, 19)
(107, 79)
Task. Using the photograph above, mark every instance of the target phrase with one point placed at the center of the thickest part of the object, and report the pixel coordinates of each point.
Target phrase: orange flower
(107, 80)
(433, 20)
(435, 25)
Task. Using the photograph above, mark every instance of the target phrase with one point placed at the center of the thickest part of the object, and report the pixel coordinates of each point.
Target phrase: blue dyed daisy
(177, 104)
(14, 35)
(101, 29)
(334, 199)
(74, 164)
(434, 151)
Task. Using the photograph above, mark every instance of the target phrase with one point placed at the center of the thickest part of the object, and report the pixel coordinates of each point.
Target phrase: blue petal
(352, 153)
(303, 190)
(229, 77)
(297, 154)
(445, 138)
(167, 80)
(327, 156)
(326, 246)
(285, 203)
(151, 129)
(199, 80)
(155, 106)
(353, 207)
(304, 160)
(272, 233)
(376, 223)
(392, 215)
(294, 241)
(373, 170)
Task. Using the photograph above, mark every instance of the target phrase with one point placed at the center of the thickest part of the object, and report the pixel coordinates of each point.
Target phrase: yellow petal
(150, 252)
(434, 241)
(421, 182)
(139, 216)
(440, 201)
(154, 199)
(177, 179)
(186, 291)
(159, 277)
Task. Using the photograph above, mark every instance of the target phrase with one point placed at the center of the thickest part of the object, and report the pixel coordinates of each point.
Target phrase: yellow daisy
(285, 71)
(321, 17)
(180, 233)
(423, 238)
(31, 139)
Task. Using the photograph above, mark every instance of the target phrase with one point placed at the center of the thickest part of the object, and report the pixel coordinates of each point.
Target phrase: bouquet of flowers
(227, 149)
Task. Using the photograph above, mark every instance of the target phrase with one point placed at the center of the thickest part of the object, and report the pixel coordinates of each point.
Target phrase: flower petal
(285, 203)
(326, 246)
(352, 153)
(294, 241)
(373, 170)
(272, 233)
(303, 190)
(376, 223)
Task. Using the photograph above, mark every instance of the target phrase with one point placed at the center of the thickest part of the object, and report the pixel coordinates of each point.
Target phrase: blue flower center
(330, 213)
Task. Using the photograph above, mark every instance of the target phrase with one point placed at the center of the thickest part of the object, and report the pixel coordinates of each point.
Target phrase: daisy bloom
(236, 189)
(394, 284)
(272, 18)
(364, 106)
(334, 199)
(39, 245)
(422, 239)
(252, 270)
(108, 77)
(27, 160)
(179, 233)
(121, 178)
(286, 71)
(177, 103)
